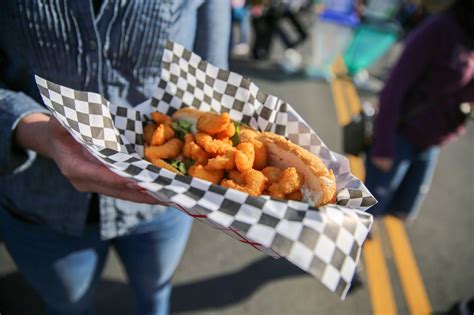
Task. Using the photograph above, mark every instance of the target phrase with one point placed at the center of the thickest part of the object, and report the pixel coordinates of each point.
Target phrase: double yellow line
(347, 104)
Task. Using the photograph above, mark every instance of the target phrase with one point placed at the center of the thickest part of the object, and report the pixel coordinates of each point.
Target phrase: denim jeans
(64, 270)
(401, 190)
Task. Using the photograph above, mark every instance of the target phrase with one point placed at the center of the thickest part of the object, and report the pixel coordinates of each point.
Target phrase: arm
(46, 136)
(14, 106)
(419, 52)
(26, 130)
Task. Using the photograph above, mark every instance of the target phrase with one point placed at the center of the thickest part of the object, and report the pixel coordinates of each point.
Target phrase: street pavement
(219, 275)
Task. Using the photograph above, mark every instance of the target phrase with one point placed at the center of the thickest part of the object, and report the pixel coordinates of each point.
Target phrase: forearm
(14, 106)
(31, 133)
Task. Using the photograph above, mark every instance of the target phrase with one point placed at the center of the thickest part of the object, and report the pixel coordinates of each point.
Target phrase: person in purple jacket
(420, 110)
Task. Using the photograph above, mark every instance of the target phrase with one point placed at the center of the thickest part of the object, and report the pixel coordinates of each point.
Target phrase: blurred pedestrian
(57, 202)
(241, 28)
(268, 24)
(421, 108)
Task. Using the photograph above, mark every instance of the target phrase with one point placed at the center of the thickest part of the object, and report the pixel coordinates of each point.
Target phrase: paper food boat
(325, 242)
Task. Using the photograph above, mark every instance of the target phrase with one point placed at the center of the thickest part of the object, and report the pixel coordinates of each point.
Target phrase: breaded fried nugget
(247, 134)
(319, 180)
(261, 154)
(228, 131)
(296, 195)
(272, 173)
(253, 182)
(222, 162)
(245, 156)
(236, 176)
(162, 134)
(289, 181)
(213, 146)
(198, 170)
(191, 150)
(148, 132)
(160, 118)
(212, 123)
(169, 150)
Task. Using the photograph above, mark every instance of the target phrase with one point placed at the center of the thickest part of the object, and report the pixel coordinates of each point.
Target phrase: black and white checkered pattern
(325, 242)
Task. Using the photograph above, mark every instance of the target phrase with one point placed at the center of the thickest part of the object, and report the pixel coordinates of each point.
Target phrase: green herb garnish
(235, 138)
(182, 127)
(181, 166)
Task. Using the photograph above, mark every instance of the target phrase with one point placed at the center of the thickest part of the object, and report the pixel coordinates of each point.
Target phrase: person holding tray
(60, 209)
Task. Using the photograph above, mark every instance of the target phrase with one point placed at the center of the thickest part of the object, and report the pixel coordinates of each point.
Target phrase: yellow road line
(410, 277)
(378, 278)
(343, 116)
(353, 98)
(379, 284)
(357, 166)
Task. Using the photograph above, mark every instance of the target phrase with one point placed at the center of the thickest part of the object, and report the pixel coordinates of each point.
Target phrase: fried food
(162, 133)
(198, 170)
(191, 150)
(320, 182)
(236, 176)
(261, 154)
(212, 123)
(160, 118)
(253, 182)
(148, 131)
(297, 195)
(244, 156)
(228, 131)
(237, 156)
(222, 162)
(213, 146)
(288, 182)
(272, 173)
(169, 150)
(247, 134)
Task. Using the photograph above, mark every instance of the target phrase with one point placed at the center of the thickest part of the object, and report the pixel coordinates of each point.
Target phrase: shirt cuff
(13, 107)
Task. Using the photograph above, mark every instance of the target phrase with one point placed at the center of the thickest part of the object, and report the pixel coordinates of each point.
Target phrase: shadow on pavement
(113, 297)
(18, 298)
(230, 288)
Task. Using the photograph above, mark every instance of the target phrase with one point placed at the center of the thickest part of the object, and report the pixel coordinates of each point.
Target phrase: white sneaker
(241, 49)
(291, 61)
(365, 82)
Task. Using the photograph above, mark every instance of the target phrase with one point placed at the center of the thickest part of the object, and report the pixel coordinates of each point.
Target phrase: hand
(384, 164)
(46, 136)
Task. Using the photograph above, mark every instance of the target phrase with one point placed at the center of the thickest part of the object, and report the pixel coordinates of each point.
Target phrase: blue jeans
(64, 270)
(211, 23)
(401, 190)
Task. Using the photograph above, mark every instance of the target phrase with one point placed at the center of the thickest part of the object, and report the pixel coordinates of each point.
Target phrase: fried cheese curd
(221, 151)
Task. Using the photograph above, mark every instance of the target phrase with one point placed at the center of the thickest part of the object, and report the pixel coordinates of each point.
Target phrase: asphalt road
(218, 275)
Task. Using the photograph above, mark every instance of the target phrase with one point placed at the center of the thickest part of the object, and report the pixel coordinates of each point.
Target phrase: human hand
(86, 173)
(384, 164)
(46, 136)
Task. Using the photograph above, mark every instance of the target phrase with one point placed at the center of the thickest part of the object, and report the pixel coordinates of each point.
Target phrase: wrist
(31, 133)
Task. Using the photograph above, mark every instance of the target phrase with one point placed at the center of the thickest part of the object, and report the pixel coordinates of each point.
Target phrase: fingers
(131, 194)
(87, 174)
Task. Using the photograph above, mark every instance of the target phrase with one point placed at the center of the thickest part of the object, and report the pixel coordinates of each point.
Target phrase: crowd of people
(52, 192)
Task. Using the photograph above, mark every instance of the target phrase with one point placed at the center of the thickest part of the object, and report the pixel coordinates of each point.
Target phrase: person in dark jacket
(420, 109)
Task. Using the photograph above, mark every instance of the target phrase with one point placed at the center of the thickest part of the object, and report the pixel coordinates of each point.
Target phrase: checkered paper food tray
(325, 242)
